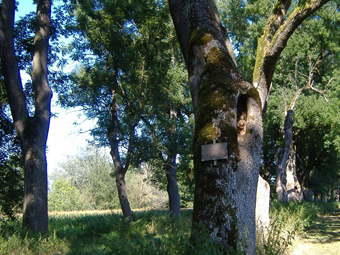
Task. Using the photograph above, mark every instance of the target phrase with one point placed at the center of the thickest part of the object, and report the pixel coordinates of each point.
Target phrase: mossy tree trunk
(273, 39)
(32, 131)
(229, 109)
(225, 191)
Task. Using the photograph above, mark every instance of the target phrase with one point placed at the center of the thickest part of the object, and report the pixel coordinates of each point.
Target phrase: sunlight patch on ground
(322, 239)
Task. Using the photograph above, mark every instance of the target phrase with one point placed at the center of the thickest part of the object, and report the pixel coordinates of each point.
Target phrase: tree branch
(10, 69)
(273, 40)
(312, 70)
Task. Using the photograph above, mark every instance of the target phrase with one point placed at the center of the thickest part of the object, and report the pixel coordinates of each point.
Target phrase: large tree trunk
(32, 131)
(172, 188)
(229, 110)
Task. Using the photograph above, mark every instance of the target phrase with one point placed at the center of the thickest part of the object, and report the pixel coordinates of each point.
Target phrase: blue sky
(64, 139)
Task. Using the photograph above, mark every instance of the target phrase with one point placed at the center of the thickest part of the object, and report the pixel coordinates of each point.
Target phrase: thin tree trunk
(294, 190)
(281, 175)
(308, 194)
(120, 171)
(32, 131)
(172, 188)
(332, 195)
(123, 198)
(171, 166)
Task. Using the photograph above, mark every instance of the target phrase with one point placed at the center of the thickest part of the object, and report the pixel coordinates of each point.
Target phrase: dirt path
(322, 239)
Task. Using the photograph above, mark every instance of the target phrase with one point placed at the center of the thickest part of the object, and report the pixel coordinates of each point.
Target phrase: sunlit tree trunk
(287, 185)
(229, 110)
(32, 131)
(120, 170)
(171, 166)
(294, 189)
(172, 187)
(281, 173)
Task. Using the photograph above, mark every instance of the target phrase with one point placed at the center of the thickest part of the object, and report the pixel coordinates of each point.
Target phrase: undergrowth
(152, 232)
(288, 220)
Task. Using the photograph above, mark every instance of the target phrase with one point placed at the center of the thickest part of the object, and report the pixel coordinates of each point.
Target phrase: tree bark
(294, 190)
(273, 40)
(225, 192)
(230, 110)
(171, 166)
(32, 131)
(120, 171)
(281, 174)
(172, 188)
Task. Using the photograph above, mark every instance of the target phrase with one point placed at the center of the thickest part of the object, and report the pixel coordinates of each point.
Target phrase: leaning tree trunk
(120, 171)
(122, 194)
(32, 131)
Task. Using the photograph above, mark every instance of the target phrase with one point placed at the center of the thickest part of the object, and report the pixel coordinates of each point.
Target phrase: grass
(289, 221)
(322, 237)
(152, 232)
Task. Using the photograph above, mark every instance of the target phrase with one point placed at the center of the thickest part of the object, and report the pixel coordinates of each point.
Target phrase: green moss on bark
(200, 37)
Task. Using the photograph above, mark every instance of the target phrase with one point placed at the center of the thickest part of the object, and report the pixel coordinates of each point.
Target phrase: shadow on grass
(326, 229)
(151, 232)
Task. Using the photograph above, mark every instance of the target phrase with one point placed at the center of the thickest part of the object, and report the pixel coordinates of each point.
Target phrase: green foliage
(128, 53)
(11, 162)
(64, 197)
(88, 174)
(86, 182)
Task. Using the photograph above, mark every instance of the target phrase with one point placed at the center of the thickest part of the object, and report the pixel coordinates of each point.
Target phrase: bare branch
(313, 69)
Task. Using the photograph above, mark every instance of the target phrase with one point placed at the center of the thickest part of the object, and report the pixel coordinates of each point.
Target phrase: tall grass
(287, 220)
(152, 232)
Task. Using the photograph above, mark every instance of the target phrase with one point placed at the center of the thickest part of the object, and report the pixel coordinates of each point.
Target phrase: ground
(322, 239)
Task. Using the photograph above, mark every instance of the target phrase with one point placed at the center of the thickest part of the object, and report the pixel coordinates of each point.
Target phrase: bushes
(87, 182)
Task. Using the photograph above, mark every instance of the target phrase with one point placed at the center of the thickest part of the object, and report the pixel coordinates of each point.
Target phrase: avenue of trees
(162, 79)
